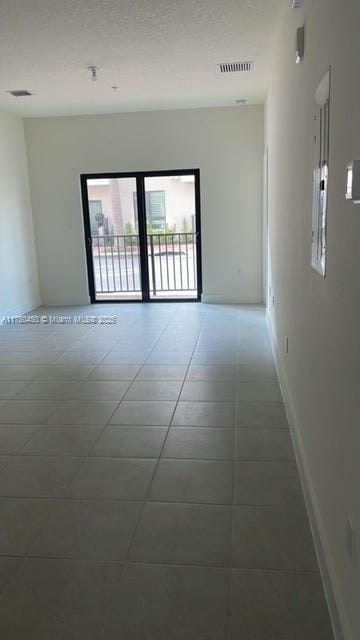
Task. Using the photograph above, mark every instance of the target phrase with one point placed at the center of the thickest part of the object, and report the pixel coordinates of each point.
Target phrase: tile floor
(148, 487)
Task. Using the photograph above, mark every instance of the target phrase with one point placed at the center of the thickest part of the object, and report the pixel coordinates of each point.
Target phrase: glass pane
(115, 239)
(171, 236)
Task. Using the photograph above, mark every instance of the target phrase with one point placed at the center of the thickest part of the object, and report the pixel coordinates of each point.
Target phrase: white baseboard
(219, 298)
(59, 302)
(339, 619)
(20, 310)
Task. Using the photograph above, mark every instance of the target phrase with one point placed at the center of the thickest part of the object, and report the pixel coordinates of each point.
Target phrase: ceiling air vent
(236, 67)
(20, 93)
(297, 4)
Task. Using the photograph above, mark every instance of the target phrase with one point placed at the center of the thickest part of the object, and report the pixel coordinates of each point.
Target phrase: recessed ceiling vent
(236, 67)
(297, 4)
(20, 93)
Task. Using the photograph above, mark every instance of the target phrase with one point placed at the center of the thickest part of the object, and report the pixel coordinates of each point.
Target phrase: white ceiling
(161, 54)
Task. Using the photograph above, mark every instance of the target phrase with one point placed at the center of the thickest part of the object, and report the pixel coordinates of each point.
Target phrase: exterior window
(155, 210)
(320, 175)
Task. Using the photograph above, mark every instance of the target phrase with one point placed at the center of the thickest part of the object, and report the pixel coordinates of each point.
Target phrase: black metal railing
(171, 263)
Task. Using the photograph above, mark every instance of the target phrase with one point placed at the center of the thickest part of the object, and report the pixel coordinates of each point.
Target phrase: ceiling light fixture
(94, 72)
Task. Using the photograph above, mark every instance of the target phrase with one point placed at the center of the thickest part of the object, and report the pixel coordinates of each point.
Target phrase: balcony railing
(171, 264)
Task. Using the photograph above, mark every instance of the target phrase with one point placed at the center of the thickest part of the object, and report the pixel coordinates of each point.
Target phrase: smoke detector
(297, 4)
(236, 67)
(19, 93)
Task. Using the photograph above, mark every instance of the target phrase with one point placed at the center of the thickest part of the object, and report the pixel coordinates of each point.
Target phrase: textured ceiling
(161, 54)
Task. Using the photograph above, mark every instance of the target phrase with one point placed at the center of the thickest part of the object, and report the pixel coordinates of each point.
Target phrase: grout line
(228, 630)
(152, 501)
(127, 556)
(16, 396)
(85, 457)
(111, 600)
(91, 448)
(18, 452)
(163, 444)
(140, 563)
(6, 463)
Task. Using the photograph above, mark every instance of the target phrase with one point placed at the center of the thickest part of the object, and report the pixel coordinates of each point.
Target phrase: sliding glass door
(171, 236)
(113, 238)
(142, 234)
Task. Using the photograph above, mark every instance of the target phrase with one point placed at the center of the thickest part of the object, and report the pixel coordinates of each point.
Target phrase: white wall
(19, 288)
(321, 372)
(226, 144)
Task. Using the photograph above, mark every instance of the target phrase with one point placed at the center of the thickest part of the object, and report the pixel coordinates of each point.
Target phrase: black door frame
(140, 194)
